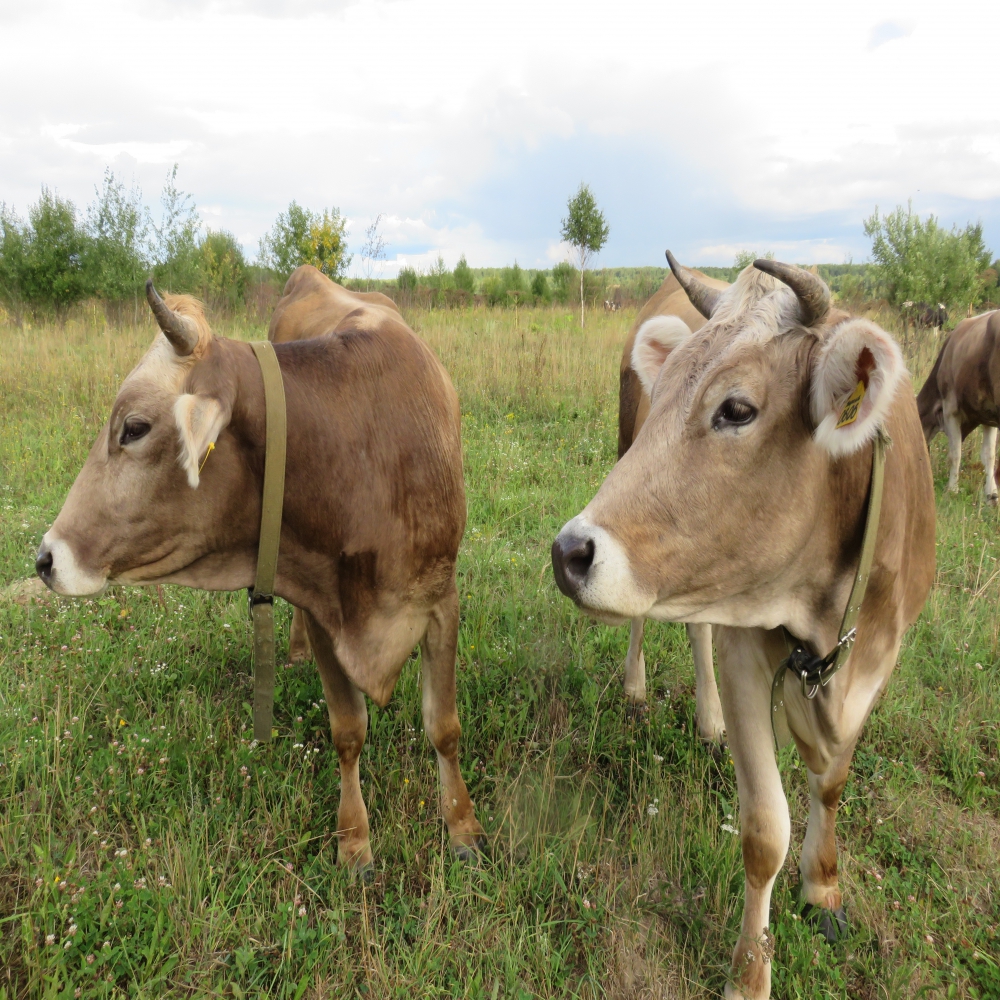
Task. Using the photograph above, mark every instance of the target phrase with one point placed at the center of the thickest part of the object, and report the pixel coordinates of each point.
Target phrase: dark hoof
(366, 873)
(471, 852)
(716, 750)
(636, 711)
(832, 924)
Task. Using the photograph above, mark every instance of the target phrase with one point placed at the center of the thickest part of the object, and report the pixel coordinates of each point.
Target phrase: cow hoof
(832, 924)
(470, 852)
(991, 499)
(716, 748)
(636, 711)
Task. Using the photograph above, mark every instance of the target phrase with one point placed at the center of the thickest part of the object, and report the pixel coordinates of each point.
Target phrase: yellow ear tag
(211, 448)
(850, 412)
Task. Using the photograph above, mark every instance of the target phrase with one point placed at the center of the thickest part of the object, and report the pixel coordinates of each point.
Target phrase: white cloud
(470, 124)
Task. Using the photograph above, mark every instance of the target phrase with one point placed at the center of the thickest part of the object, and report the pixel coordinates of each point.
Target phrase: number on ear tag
(850, 412)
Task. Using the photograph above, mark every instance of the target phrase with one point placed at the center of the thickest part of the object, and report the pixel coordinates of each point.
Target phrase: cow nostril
(43, 563)
(572, 558)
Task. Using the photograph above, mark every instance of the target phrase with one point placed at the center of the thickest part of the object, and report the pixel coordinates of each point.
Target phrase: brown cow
(962, 393)
(312, 305)
(669, 308)
(374, 511)
(742, 503)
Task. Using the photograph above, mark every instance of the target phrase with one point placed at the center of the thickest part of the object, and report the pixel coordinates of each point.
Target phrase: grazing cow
(962, 393)
(668, 309)
(742, 502)
(373, 515)
(312, 305)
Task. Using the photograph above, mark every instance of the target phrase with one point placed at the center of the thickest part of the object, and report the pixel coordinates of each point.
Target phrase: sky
(705, 128)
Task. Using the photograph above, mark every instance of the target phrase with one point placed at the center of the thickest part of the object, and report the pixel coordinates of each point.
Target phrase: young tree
(584, 229)
(175, 240)
(919, 261)
(118, 226)
(563, 279)
(13, 262)
(326, 244)
(465, 280)
(223, 269)
(55, 271)
(373, 250)
(406, 280)
(300, 236)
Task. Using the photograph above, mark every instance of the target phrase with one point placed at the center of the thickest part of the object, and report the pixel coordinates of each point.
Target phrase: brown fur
(373, 514)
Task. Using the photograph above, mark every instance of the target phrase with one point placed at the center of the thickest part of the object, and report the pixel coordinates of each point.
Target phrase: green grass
(134, 808)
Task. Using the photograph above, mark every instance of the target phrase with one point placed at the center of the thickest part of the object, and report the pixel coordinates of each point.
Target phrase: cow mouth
(58, 568)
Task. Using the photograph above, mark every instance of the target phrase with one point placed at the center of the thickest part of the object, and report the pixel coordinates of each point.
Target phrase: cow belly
(373, 656)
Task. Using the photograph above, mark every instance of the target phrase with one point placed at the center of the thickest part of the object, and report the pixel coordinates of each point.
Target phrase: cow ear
(654, 341)
(855, 378)
(200, 420)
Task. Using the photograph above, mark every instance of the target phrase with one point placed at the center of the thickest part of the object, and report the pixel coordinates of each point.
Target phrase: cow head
(138, 511)
(706, 515)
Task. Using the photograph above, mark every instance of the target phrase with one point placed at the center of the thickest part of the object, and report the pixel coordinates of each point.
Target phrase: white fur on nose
(68, 576)
(610, 587)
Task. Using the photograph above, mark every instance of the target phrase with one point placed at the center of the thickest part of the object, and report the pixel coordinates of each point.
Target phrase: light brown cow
(668, 309)
(742, 503)
(962, 393)
(373, 514)
(312, 305)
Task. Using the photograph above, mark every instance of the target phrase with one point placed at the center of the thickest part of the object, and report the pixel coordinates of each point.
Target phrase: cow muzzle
(59, 569)
(592, 568)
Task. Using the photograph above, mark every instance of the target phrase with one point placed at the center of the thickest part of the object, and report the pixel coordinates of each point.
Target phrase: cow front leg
(988, 456)
(635, 666)
(299, 649)
(439, 647)
(953, 431)
(819, 889)
(708, 708)
(345, 705)
(747, 659)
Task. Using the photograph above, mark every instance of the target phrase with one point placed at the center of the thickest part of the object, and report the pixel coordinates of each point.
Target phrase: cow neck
(814, 672)
(262, 592)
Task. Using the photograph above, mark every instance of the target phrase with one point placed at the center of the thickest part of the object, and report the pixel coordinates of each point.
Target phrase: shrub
(464, 279)
(919, 261)
(540, 290)
(56, 250)
(223, 269)
(118, 226)
(564, 280)
(406, 280)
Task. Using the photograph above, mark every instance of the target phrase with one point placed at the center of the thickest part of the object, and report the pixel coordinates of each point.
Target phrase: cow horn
(703, 298)
(175, 327)
(809, 288)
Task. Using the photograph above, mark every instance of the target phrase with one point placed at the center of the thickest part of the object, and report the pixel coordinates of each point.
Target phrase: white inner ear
(200, 420)
(654, 341)
(836, 376)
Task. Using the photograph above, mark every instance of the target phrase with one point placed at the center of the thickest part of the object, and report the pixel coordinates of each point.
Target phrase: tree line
(58, 256)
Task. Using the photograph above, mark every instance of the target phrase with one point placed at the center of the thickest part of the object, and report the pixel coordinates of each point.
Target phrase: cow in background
(962, 393)
(312, 305)
(670, 312)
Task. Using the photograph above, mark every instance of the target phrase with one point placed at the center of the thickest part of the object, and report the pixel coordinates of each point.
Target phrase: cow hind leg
(819, 890)
(711, 725)
(635, 666)
(299, 649)
(953, 431)
(438, 648)
(345, 705)
(746, 664)
(988, 455)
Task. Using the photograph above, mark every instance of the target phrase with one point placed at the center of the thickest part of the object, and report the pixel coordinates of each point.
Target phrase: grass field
(148, 850)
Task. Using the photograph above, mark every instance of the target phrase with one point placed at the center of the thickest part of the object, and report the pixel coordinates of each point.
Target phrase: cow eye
(133, 430)
(734, 413)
